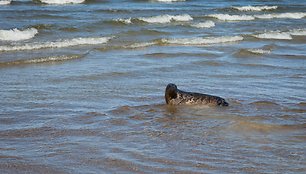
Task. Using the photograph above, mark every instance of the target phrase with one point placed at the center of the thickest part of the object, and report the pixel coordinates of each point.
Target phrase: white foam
(166, 18)
(125, 21)
(62, 1)
(281, 15)
(51, 59)
(203, 41)
(274, 35)
(298, 32)
(255, 8)
(168, 0)
(227, 17)
(5, 2)
(57, 44)
(207, 24)
(259, 51)
(140, 45)
(16, 35)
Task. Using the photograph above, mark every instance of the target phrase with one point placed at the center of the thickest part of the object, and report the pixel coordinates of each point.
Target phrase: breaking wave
(203, 41)
(158, 19)
(168, 0)
(207, 24)
(57, 44)
(281, 35)
(42, 60)
(62, 1)
(5, 2)
(166, 18)
(16, 35)
(255, 8)
(227, 17)
(258, 51)
(274, 35)
(281, 15)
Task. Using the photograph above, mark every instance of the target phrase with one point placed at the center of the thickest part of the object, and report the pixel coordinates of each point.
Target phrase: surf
(17, 35)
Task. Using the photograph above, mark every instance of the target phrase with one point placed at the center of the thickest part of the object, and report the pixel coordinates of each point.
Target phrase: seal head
(171, 92)
(174, 96)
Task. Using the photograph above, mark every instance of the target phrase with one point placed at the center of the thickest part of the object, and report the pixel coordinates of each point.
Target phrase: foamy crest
(16, 35)
(62, 1)
(57, 44)
(5, 2)
(125, 21)
(298, 32)
(166, 18)
(282, 15)
(140, 45)
(259, 51)
(167, 0)
(42, 60)
(255, 8)
(203, 41)
(207, 24)
(227, 17)
(274, 35)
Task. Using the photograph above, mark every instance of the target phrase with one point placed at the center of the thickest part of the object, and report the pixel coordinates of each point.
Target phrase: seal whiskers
(174, 96)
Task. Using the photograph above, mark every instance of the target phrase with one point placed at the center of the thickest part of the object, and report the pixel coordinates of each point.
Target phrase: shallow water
(85, 94)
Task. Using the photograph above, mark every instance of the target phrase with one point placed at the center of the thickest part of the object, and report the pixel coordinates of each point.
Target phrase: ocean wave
(57, 44)
(207, 24)
(166, 18)
(298, 32)
(255, 8)
(168, 0)
(50, 59)
(5, 2)
(227, 17)
(62, 1)
(140, 45)
(274, 35)
(287, 35)
(16, 35)
(125, 21)
(259, 51)
(281, 15)
(203, 41)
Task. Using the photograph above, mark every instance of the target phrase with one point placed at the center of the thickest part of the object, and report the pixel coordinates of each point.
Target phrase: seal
(175, 96)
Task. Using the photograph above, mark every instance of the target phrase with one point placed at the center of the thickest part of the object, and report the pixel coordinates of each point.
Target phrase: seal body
(175, 96)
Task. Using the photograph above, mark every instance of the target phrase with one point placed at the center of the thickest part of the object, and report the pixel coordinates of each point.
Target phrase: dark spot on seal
(175, 96)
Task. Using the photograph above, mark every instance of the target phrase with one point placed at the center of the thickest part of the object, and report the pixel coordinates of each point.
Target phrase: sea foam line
(258, 51)
(158, 19)
(166, 18)
(42, 60)
(255, 8)
(168, 1)
(228, 17)
(203, 41)
(206, 24)
(57, 44)
(297, 15)
(62, 1)
(16, 35)
(5, 2)
(287, 35)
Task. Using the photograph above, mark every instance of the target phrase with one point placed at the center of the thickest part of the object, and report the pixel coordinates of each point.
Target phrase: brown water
(72, 105)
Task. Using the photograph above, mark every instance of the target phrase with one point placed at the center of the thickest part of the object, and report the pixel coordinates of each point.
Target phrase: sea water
(83, 81)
